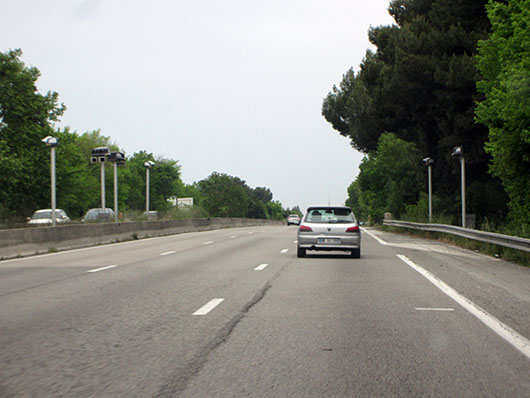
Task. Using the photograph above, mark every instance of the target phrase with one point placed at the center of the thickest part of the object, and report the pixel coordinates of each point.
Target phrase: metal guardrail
(513, 242)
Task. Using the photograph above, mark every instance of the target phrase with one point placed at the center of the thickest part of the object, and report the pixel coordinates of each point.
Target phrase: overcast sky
(233, 86)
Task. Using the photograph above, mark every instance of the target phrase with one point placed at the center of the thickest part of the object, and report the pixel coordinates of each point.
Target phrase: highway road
(234, 313)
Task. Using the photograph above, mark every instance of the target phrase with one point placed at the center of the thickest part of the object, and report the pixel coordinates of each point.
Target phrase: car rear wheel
(356, 253)
(301, 252)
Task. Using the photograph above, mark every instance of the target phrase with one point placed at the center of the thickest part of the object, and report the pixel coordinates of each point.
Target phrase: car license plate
(329, 240)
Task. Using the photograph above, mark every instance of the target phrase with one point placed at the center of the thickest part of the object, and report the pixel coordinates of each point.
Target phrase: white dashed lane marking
(205, 309)
(103, 268)
(284, 251)
(261, 267)
(167, 253)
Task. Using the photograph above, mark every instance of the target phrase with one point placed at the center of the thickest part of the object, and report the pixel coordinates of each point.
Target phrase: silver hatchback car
(329, 228)
(44, 216)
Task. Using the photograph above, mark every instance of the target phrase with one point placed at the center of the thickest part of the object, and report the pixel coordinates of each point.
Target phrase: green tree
(259, 197)
(355, 202)
(420, 84)
(223, 196)
(275, 211)
(193, 191)
(78, 188)
(504, 61)
(262, 194)
(294, 210)
(164, 178)
(26, 117)
(389, 179)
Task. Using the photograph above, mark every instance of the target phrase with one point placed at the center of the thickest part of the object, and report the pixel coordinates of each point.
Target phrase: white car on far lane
(44, 216)
(293, 219)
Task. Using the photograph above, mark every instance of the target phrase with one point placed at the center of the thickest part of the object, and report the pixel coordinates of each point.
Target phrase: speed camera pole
(99, 155)
(102, 185)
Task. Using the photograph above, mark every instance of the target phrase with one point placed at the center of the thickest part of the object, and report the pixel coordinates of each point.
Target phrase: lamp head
(117, 157)
(428, 161)
(148, 164)
(457, 151)
(51, 141)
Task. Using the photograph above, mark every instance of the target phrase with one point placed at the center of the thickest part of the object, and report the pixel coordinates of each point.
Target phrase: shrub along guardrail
(512, 242)
(29, 241)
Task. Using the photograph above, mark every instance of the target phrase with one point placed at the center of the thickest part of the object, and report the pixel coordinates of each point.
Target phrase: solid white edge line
(208, 306)
(166, 253)
(102, 268)
(521, 343)
(377, 238)
(261, 267)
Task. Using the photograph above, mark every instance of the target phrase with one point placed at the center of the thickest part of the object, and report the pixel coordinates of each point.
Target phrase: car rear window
(330, 215)
(42, 215)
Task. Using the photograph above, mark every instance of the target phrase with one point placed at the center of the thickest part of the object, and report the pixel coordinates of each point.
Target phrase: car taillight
(353, 229)
(305, 228)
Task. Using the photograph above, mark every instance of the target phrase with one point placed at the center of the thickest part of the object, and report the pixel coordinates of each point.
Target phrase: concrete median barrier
(30, 241)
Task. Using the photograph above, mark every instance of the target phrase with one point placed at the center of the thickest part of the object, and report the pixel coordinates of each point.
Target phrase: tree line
(447, 73)
(27, 116)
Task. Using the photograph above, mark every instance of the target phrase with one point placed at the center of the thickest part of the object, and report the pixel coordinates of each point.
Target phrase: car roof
(327, 207)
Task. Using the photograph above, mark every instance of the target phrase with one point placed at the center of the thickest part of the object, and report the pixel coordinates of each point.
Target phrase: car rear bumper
(346, 242)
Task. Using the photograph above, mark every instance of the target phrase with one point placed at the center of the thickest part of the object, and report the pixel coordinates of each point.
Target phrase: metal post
(463, 169)
(53, 184)
(102, 185)
(115, 192)
(429, 162)
(430, 193)
(147, 191)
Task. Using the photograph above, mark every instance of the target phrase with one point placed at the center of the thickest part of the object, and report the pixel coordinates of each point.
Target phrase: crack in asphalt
(177, 384)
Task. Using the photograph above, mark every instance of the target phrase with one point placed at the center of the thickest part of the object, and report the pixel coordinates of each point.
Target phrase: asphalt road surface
(234, 313)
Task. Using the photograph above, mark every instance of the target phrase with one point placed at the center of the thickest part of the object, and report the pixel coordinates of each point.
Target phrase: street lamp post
(118, 159)
(147, 166)
(429, 162)
(52, 142)
(459, 151)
